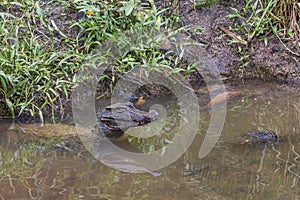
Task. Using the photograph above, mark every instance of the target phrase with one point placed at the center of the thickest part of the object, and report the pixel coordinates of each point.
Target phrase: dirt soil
(264, 62)
(271, 62)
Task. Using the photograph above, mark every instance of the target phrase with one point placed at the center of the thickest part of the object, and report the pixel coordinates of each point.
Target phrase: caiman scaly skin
(261, 137)
(117, 118)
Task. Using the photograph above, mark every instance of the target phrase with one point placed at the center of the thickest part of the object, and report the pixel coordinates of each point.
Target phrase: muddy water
(35, 168)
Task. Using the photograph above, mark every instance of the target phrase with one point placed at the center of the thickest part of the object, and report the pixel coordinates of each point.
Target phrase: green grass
(35, 75)
(39, 58)
(41, 53)
(264, 19)
(204, 3)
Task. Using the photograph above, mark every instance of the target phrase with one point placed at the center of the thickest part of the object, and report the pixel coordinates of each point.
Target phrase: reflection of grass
(20, 165)
(277, 166)
(26, 168)
(277, 162)
(34, 174)
(260, 170)
(24, 163)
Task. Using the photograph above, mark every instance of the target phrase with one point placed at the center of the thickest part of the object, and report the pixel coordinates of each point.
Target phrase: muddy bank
(268, 62)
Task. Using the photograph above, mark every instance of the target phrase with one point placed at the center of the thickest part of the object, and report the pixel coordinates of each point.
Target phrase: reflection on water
(254, 171)
(233, 170)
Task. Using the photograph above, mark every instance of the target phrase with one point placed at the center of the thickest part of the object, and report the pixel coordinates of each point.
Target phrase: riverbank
(52, 40)
(264, 57)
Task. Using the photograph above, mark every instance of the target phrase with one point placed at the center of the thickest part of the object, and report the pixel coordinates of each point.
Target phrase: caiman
(115, 119)
(260, 137)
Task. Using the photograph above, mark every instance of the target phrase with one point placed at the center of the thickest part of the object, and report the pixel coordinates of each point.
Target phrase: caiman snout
(115, 119)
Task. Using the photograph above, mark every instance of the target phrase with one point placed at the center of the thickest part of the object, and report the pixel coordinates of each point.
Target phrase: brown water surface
(43, 168)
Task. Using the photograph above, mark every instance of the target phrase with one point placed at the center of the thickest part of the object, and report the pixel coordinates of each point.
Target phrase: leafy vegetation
(35, 75)
(269, 18)
(45, 43)
(39, 58)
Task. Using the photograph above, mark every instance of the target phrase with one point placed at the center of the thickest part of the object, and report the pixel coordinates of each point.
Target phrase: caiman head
(117, 118)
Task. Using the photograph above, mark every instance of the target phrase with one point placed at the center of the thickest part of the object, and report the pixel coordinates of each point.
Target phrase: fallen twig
(233, 35)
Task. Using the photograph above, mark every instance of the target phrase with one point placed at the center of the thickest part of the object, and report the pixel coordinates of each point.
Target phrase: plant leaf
(129, 7)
